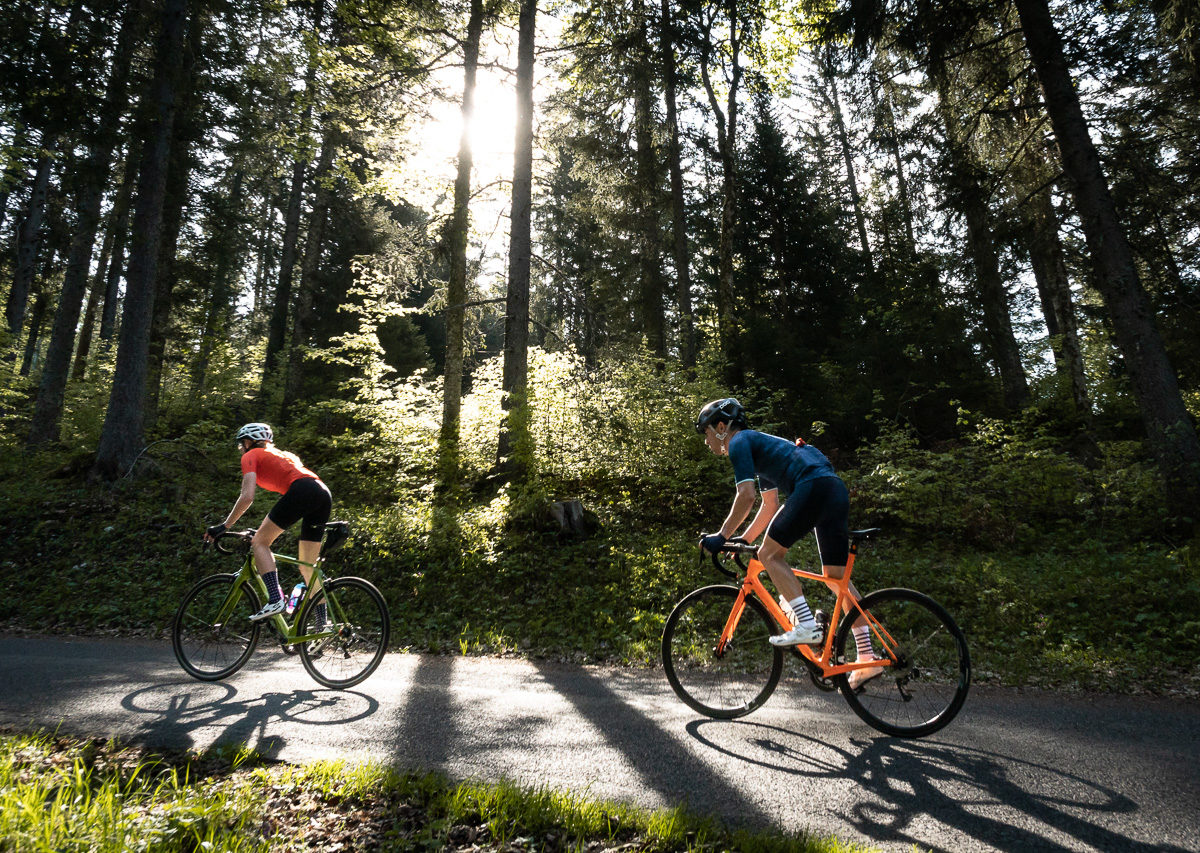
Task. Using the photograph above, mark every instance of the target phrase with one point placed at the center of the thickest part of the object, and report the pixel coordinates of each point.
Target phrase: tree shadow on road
(177, 714)
(662, 761)
(957, 786)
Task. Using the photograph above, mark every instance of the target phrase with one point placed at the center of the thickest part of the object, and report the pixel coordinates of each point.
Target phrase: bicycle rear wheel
(927, 683)
(736, 681)
(356, 617)
(207, 649)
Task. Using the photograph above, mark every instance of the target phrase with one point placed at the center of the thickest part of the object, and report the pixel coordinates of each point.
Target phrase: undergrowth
(1057, 563)
(61, 794)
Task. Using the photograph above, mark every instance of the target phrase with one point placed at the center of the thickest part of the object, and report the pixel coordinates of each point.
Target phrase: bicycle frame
(751, 585)
(248, 574)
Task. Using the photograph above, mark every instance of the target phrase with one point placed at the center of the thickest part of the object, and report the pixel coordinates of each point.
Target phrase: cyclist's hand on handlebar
(713, 542)
(211, 533)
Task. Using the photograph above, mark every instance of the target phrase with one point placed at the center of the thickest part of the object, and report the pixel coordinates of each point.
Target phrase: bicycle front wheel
(207, 646)
(728, 683)
(927, 682)
(354, 617)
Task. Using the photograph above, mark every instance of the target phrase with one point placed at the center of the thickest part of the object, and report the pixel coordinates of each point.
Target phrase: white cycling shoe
(269, 610)
(801, 635)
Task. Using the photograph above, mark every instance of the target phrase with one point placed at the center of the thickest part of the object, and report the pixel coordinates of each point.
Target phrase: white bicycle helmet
(255, 432)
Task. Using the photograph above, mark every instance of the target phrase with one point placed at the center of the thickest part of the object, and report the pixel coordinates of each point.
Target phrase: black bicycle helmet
(728, 410)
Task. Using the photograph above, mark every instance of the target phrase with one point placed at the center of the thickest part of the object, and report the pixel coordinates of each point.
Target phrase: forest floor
(109, 796)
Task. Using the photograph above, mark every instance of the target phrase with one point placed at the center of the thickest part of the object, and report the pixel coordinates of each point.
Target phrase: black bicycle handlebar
(736, 547)
(239, 535)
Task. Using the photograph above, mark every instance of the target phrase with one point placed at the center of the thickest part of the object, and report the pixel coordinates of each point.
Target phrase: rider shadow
(909, 779)
(181, 713)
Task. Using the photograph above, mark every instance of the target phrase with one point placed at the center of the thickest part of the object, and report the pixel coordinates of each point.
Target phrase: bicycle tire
(210, 652)
(357, 649)
(927, 685)
(747, 672)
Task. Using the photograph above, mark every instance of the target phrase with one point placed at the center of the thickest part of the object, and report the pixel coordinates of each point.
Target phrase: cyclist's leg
(794, 520)
(318, 504)
(264, 561)
(832, 529)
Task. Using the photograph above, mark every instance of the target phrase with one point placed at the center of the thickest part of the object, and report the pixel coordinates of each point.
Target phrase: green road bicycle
(340, 628)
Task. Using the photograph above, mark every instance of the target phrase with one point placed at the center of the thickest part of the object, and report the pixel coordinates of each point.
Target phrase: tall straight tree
(679, 241)
(313, 243)
(277, 327)
(727, 142)
(515, 376)
(970, 198)
(122, 434)
(649, 176)
(47, 409)
(456, 286)
(28, 240)
(1171, 435)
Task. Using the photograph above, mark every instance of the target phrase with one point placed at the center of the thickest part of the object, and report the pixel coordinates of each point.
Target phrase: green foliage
(59, 794)
(1005, 489)
(87, 798)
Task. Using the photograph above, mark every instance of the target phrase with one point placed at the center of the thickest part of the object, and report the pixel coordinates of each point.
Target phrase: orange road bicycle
(340, 628)
(718, 660)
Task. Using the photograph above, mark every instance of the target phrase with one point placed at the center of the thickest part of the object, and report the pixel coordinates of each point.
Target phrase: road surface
(1016, 771)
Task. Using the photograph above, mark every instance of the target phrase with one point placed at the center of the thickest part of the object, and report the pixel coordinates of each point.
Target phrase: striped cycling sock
(862, 639)
(803, 613)
(274, 593)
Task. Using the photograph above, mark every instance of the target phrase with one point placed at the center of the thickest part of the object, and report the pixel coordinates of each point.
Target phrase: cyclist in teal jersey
(817, 500)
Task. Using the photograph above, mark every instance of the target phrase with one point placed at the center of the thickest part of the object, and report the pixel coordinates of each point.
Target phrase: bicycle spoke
(735, 681)
(208, 650)
(929, 677)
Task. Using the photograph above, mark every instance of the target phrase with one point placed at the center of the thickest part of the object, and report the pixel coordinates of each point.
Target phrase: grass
(63, 794)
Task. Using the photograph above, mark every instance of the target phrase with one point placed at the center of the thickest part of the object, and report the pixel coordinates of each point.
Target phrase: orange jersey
(274, 469)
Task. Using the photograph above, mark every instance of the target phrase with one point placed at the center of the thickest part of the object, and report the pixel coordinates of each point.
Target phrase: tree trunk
(277, 329)
(121, 435)
(9, 177)
(179, 172)
(28, 240)
(652, 284)
(313, 241)
(120, 229)
(47, 408)
(221, 296)
(41, 304)
(1054, 289)
(683, 276)
(1169, 428)
(971, 201)
(835, 107)
(727, 152)
(514, 432)
(456, 286)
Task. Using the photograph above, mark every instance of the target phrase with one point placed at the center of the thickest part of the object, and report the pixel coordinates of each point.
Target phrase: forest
(474, 258)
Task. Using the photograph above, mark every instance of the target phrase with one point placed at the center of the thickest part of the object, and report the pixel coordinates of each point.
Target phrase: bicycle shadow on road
(959, 787)
(187, 715)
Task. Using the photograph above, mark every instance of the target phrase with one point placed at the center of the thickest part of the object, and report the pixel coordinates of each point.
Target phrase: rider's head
(256, 433)
(718, 420)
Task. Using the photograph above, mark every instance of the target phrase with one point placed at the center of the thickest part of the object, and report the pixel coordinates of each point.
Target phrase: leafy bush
(1002, 489)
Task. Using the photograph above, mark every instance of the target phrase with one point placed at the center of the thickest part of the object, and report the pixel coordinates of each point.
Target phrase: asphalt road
(1016, 771)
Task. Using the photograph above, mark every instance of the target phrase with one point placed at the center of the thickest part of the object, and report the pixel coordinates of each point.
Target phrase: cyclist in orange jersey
(305, 498)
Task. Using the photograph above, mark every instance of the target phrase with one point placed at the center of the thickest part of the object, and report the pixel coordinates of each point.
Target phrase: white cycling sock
(862, 639)
(803, 613)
